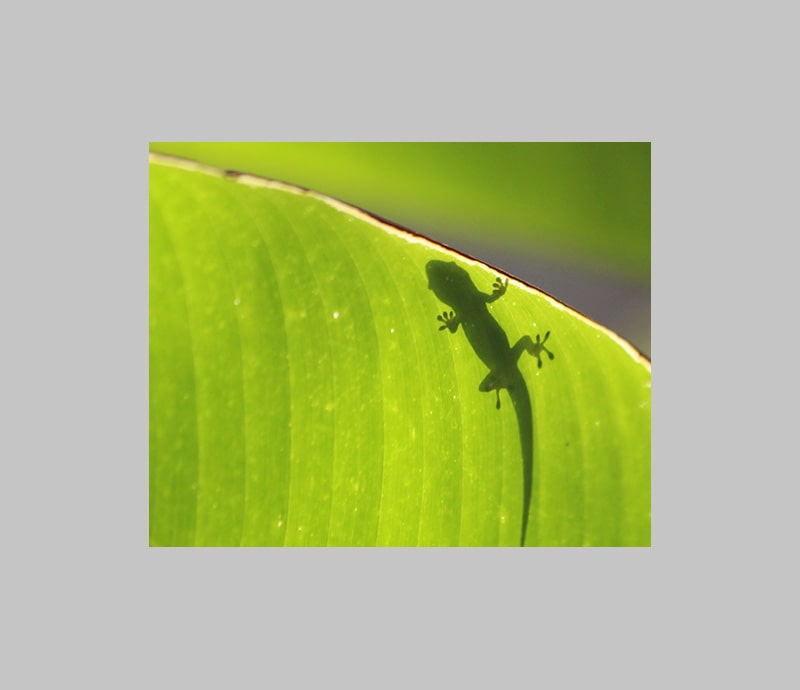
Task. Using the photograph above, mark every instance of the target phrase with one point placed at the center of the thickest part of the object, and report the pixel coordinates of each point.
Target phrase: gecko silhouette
(453, 286)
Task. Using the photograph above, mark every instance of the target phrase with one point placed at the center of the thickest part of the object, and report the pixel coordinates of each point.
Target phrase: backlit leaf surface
(301, 392)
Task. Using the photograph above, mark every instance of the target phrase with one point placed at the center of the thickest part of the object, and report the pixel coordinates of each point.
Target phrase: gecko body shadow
(452, 285)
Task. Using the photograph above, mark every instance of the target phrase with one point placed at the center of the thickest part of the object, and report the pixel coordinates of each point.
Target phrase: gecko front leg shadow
(450, 321)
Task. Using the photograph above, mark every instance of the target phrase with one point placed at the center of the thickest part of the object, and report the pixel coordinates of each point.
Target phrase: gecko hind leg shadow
(534, 349)
(490, 383)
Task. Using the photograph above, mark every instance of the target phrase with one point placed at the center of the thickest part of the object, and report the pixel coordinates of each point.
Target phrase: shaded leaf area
(302, 394)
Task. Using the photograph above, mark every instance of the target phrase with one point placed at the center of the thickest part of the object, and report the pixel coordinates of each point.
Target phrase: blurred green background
(572, 219)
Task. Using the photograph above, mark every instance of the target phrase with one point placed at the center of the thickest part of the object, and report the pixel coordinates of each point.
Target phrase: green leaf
(301, 392)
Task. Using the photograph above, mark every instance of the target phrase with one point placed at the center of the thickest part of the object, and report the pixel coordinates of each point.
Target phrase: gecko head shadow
(448, 280)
